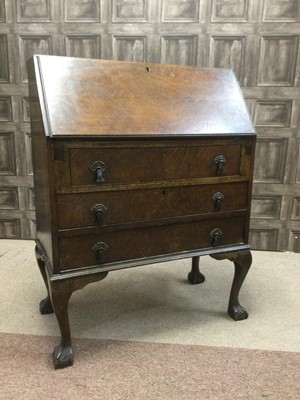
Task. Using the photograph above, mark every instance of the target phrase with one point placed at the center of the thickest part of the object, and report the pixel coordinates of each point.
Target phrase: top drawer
(99, 166)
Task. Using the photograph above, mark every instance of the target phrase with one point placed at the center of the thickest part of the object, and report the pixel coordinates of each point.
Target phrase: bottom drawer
(108, 247)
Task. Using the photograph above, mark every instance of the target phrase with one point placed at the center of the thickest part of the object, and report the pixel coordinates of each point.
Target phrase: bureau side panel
(248, 166)
(40, 156)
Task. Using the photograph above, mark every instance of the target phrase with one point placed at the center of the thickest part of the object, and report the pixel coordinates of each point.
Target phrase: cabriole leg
(242, 261)
(195, 275)
(60, 295)
(61, 291)
(45, 304)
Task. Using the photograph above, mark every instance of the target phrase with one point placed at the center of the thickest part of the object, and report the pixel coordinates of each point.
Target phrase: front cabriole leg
(60, 292)
(242, 261)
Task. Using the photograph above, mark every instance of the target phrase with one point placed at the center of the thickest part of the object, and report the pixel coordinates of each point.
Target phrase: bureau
(135, 164)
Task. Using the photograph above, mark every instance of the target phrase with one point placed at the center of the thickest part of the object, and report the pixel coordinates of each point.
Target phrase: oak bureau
(135, 164)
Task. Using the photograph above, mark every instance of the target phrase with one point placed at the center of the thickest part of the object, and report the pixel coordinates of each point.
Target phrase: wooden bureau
(134, 164)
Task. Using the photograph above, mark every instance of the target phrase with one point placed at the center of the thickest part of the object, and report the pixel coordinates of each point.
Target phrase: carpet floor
(111, 370)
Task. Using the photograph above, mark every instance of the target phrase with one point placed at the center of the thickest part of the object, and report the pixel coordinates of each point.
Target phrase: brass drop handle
(100, 248)
(218, 198)
(216, 235)
(98, 210)
(220, 161)
(98, 167)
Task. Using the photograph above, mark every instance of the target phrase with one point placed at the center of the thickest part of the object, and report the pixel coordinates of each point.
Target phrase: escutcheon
(218, 198)
(100, 249)
(216, 235)
(98, 210)
(220, 161)
(99, 167)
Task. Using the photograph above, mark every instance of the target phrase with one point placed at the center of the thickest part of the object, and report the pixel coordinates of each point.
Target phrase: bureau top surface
(84, 97)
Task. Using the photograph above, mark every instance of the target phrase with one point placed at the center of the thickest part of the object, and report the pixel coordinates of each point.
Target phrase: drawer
(107, 247)
(104, 208)
(144, 164)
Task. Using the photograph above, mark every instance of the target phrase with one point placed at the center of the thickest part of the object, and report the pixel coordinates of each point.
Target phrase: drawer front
(122, 245)
(104, 208)
(143, 164)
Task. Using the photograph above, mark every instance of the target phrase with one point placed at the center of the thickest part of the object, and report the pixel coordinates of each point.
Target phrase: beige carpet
(145, 333)
(156, 304)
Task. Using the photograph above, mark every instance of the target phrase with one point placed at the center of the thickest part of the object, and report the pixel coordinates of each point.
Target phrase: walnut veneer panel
(148, 204)
(178, 100)
(149, 164)
(139, 243)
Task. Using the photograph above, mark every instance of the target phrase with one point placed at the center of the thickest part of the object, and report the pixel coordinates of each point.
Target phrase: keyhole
(147, 69)
(163, 192)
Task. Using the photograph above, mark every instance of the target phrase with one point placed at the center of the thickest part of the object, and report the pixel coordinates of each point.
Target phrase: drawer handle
(98, 210)
(216, 235)
(98, 167)
(100, 248)
(220, 161)
(218, 198)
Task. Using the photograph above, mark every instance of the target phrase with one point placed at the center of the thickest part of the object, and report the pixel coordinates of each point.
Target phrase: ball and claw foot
(46, 306)
(237, 312)
(62, 356)
(196, 278)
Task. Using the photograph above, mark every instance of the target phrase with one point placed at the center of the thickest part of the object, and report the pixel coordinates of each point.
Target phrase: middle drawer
(104, 208)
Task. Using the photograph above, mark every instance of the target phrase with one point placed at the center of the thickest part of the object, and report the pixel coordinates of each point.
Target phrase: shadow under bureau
(135, 164)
